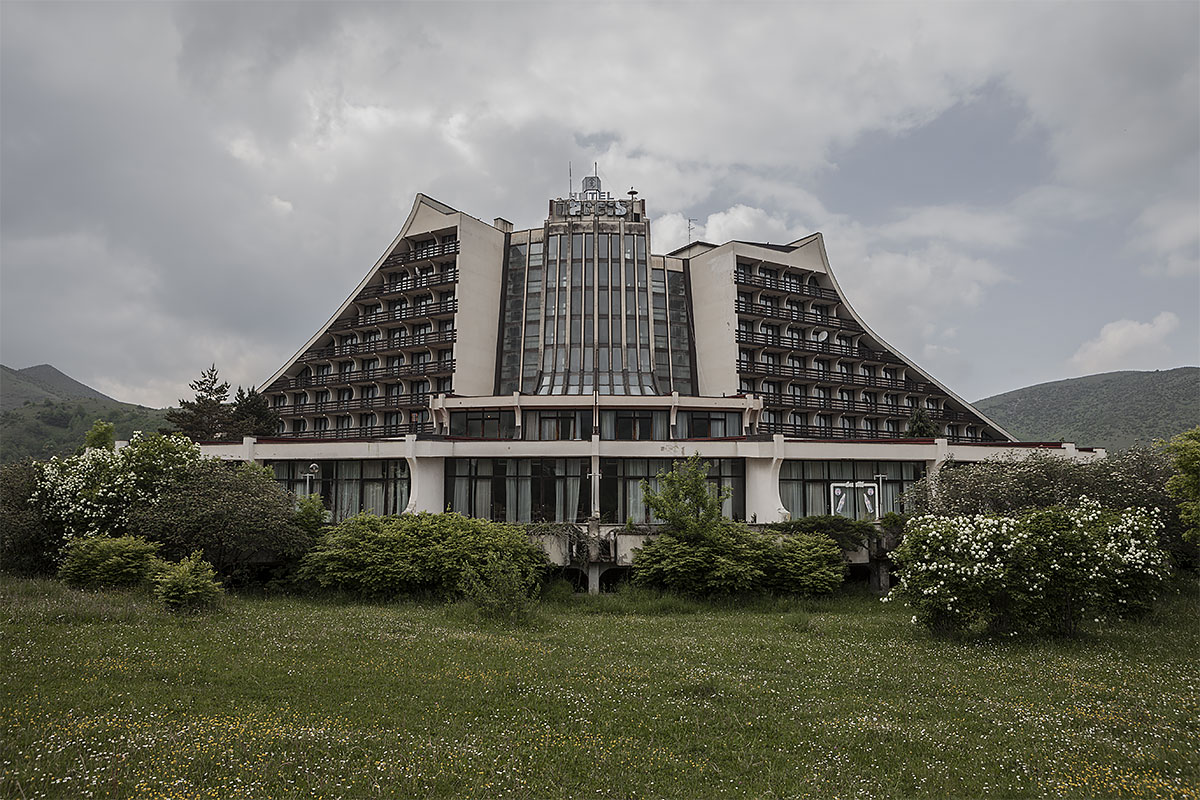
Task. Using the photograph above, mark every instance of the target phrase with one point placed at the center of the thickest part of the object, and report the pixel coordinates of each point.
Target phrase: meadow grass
(627, 696)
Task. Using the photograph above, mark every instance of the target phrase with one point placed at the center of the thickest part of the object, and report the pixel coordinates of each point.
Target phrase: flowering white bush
(91, 494)
(1037, 572)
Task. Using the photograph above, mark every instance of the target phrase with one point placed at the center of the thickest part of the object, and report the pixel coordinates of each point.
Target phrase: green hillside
(47, 413)
(45, 429)
(1115, 410)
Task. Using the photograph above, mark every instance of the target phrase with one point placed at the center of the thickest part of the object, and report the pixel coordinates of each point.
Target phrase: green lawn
(104, 695)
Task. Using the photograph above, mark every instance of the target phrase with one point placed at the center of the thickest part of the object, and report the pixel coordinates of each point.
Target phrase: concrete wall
(480, 267)
(713, 321)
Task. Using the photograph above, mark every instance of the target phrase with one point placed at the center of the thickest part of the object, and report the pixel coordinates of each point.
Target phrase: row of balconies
(360, 432)
(380, 346)
(775, 400)
(785, 284)
(428, 252)
(358, 404)
(439, 278)
(832, 432)
(424, 310)
(796, 315)
(810, 346)
(834, 377)
(441, 366)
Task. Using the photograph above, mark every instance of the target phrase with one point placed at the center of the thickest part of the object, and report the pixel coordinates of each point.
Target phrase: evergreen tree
(103, 435)
(920, 426)
(252, 415)
(206, 417)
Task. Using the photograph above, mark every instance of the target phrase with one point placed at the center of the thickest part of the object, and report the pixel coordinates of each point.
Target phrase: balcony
(793, 287)
(808, 346)
(391, 402)
(746, 367)
(831, 432)
(807, 317)
(373, 432)
(424, 254)
(444, 366)
(416, 312)
(441, 278)
(380, 346)
(798, 401)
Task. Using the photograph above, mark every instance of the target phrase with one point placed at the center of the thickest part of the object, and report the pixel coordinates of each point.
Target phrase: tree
(29, 545)
(685, 501)
(920, 426)
(206, 417)
(1184, 485)
(251, 414)
(237, 515)
(103, 435)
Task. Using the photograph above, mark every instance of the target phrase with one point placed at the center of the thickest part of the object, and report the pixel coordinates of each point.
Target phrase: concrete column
(427, 489)
(762, 487)
(593, 578)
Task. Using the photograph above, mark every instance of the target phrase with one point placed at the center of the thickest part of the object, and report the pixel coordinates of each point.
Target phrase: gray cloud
(206, 182)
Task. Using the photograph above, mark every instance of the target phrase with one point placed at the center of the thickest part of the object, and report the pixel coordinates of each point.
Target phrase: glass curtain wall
(811, 488)
(622, 498)
(519, 489)
(349, 487)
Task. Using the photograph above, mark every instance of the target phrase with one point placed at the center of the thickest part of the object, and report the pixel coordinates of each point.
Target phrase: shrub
(417, 554)
(722, 560)
(501, 588)
(103, 562)
(29, 544)
(236, 514)
(1040, 572)
(802, 564)
(188, 585)
(1184, 485)
(850, 534)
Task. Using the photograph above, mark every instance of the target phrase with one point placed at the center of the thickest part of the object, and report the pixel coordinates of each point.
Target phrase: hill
(1115, 410)
(47, 413)
(41, 383)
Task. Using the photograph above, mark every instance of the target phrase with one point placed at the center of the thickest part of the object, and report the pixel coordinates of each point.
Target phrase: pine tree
(920, 426)
(206, 417)
(251, 414)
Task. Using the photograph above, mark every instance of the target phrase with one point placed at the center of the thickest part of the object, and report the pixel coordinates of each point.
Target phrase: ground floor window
(349, 487)
(863, 490)
(519, 489)
(622, 498)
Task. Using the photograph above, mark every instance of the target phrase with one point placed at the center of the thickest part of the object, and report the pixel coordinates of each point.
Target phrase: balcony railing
(372, 432)
(747, 367)
(809, 346)
(381, 345)
(442, 366)
(780, 399)
(808, 317)
(392, 401)
(441, 278)
(430, 251)
(415, 312)
(784, 285)
(826, 431)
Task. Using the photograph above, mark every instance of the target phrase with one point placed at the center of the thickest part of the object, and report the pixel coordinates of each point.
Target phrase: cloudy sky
(1009, 192)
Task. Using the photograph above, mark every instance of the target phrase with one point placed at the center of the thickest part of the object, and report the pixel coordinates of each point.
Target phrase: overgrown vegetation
(1135, 478)
(1184, 485)
(187, 585)
(1040, 572)
(610, 697)
(103, 562)
(442, 556)
(700, 553)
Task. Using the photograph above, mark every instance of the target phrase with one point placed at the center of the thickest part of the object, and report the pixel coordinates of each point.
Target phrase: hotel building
(542, 374)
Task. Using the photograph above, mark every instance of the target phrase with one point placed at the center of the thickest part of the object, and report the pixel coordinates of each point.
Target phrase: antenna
(691, 227)
(570, 181)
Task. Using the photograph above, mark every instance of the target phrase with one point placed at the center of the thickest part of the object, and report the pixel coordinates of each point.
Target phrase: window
(483, 423)
(634, 425)
(708, 424)
(557, 425)
(868, 489)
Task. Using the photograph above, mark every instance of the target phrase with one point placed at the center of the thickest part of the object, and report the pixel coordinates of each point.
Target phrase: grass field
(104, 695)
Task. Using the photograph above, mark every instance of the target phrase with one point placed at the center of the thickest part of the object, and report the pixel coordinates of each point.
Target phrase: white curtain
(571, 482)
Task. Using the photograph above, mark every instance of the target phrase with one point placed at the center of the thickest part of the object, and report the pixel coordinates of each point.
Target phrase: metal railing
(415, 312)
(441, 366)
(785, 285)
(372, 432)
(428, 252)
(809, 346)
(747, 367)
(439, 278)
(380, 345)
(808, 317)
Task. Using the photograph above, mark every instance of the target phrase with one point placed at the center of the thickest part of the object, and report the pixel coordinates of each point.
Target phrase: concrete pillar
(593, 578)
(427, 486)
(763, 504)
